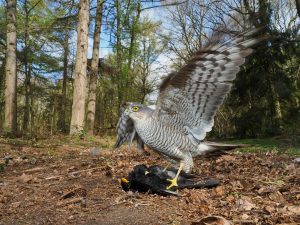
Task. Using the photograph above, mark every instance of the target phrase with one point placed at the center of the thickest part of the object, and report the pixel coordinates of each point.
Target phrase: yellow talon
(174, 180)
(173, 183)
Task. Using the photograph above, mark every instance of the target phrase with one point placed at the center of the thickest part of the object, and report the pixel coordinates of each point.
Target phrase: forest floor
(71, 181)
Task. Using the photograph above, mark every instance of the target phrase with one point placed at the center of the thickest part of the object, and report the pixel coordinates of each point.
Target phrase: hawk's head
(138, 112)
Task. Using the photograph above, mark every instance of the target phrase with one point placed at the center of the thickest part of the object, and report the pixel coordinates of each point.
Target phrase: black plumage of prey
(154, 179)
(188, 101)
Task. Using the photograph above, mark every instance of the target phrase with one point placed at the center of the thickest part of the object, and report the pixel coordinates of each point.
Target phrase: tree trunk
(27, 81)
(10, 118)
(94, 70)
(78, 107)
(2, 90)
(119, 59)
(62, 117)
(298, 6)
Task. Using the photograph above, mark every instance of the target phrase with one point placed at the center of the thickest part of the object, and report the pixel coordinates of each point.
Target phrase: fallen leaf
(24, 178)
(245, 204)
(270, 209)
(204, 209)
(79, 191)
(290, 210)
(265, 190)
(245, 216)
(15, 204)
(276, 197)
(213, 220)
(95, 151)
(230, 198)
(237, 185)
(219, 191)
(225, 158)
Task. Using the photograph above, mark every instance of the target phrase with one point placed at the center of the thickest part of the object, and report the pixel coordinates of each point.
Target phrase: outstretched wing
(189, 99)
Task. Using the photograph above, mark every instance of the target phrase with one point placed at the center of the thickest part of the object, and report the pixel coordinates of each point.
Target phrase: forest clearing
(255, 188)
(150, 112)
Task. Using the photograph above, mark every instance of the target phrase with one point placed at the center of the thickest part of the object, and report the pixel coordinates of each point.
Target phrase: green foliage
(130, 78)
(288, 145)
(263, 95)
(265, 99)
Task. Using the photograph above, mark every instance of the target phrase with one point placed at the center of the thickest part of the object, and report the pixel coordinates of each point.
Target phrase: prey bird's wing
(125, 127)
(189, 98)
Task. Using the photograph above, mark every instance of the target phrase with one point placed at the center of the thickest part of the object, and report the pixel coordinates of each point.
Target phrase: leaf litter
(74, 186)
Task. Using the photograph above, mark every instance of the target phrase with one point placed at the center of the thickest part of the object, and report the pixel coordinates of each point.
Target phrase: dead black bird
(156, 180)
(142, 181)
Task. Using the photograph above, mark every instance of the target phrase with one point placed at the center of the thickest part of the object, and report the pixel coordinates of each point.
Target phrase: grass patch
(276, 145)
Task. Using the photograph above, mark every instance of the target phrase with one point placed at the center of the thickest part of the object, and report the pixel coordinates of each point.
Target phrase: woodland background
(140, 42)
(66, 67)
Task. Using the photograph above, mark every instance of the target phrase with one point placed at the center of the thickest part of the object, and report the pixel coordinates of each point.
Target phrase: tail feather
(214, 147)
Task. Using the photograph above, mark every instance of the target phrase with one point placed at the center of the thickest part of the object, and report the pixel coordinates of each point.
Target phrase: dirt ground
(47, 183)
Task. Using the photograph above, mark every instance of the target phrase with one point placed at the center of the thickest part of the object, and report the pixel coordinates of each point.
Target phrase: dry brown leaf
(225, 158)
(204, 209)
(78, 191)
(270, 209)
(15, 204)
(230, 198)
(290, 210)
(276, 197)
(219, 191)
(237, 185)
(245, 216)
(212, 220)
(245, 204)
(24, 178)
(288, 224)
(70, 201)
(265, 190)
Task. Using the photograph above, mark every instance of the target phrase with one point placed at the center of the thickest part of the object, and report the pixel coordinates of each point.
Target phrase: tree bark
(298, 6)
(119, 58)
(79, 91)
(62, 118)
(27, 82)
(94, 70)
(10, 118)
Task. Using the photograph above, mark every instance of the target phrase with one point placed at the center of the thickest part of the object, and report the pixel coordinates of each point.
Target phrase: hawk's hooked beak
(127, 112)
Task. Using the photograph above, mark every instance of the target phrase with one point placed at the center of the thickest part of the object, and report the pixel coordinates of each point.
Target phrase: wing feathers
(190, 98)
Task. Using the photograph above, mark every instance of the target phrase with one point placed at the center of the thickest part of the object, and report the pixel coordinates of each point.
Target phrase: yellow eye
(135, 108)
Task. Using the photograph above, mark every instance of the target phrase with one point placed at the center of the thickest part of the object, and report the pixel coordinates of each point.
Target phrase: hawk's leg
(174, 180)
(167, 167)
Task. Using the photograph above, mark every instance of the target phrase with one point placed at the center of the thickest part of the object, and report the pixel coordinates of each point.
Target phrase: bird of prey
(188, 101)
(154, 180)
